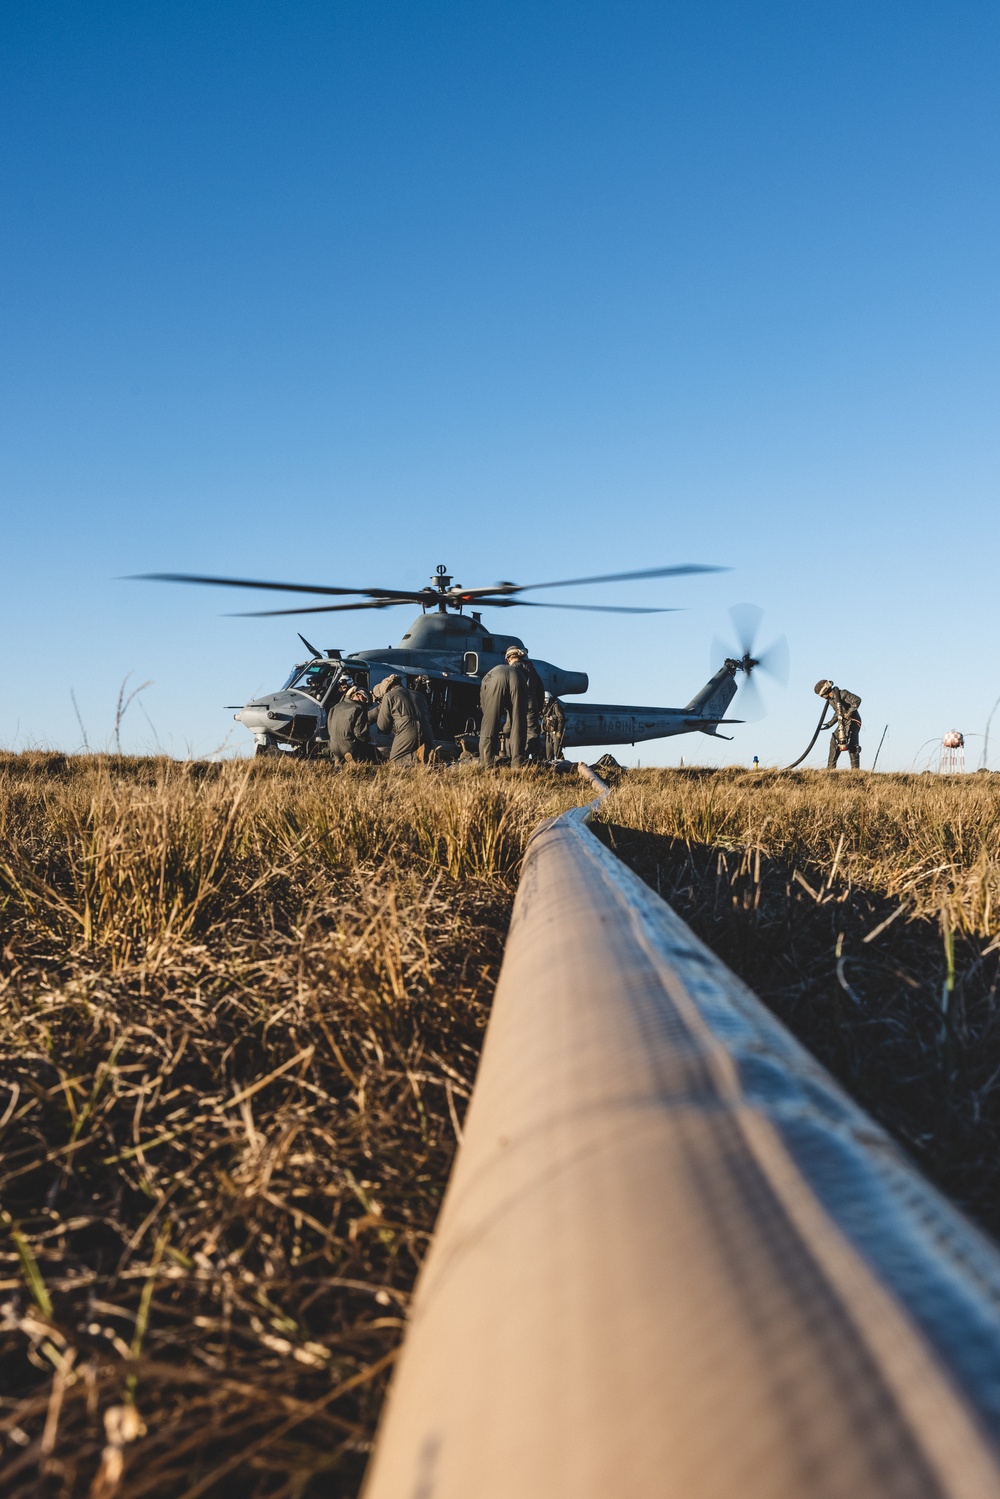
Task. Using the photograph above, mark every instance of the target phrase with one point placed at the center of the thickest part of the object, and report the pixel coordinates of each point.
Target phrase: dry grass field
(241, 1008)
(865, 911)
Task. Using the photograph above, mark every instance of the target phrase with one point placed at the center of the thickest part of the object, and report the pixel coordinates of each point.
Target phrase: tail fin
(716, 695)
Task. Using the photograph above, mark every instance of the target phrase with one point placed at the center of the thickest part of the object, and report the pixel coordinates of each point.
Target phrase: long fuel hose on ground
(819, 729)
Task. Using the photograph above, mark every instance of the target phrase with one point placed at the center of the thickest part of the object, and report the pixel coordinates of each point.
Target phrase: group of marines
(514, 704)
(513, 701)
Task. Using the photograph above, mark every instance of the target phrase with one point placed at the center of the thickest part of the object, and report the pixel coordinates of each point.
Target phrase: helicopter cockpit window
(314, 679)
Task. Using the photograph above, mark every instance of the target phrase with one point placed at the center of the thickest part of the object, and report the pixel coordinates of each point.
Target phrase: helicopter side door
(455, 708)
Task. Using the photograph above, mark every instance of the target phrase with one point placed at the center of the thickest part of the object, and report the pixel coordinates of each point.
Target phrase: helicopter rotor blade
(497, 594)
(648, 572)
(493, 603)
(404, 595)
(318, 609)
(591, 608)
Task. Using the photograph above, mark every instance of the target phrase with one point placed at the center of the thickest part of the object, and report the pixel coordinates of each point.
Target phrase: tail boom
(617, 723)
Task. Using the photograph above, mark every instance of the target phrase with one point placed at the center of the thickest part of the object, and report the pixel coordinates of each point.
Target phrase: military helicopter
(453, 649)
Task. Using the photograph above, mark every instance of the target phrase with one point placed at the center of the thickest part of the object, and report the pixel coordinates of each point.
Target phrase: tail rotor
(747, 658)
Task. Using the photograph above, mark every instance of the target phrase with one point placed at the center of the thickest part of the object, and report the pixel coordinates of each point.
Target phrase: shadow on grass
(912, 1036)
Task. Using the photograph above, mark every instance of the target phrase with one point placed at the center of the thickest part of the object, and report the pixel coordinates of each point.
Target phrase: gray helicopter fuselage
(613, 723)
(455, 651)
(453, 644)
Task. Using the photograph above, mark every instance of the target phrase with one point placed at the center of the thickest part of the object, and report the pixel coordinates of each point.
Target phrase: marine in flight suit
(399, 714)
(554, 728)
(847, 728)
(347, 726)
(536, 701)
(504, 694)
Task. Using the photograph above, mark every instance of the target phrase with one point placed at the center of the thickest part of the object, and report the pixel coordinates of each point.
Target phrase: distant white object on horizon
(952, 753)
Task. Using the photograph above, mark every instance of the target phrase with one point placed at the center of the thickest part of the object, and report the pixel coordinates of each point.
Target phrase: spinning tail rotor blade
(746, 620)
(774, 661)
(747, 659)
(720, 652)
(749, 702)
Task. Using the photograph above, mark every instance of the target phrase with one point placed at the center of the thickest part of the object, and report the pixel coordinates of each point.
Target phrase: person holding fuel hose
(846, 723)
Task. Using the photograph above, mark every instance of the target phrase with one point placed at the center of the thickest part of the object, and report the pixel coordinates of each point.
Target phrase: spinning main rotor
(443, 594)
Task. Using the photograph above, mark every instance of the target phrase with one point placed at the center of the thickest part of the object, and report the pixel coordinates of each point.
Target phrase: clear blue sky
(339, 291)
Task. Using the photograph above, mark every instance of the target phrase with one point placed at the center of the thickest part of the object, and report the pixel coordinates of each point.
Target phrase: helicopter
(453, 649)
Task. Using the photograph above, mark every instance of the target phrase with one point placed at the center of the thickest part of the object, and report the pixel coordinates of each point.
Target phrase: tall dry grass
(240, 1012)
(241, 1008)
(930, 842)
(865, 910)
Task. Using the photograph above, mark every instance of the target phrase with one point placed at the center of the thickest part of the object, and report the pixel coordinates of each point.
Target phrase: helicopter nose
(256, 715)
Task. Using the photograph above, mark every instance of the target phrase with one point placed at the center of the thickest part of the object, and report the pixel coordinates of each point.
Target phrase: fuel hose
(819, 729)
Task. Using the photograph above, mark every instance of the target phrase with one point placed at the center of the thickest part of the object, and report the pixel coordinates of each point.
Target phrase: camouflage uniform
(847, 728)
(504, 693)
(347, 726)
(554, 725)
(399, 715)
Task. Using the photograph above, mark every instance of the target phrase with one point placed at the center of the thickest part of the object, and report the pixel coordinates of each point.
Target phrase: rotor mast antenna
(442, 582)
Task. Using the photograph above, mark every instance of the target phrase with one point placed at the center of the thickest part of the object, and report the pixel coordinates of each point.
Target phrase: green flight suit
(504, 694)
(399, 715)
(554, 726)
(426, 724)
(347, 726)
(536, 706)
(847, 728)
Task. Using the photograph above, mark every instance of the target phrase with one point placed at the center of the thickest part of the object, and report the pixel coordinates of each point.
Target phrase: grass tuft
(241, 1008)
